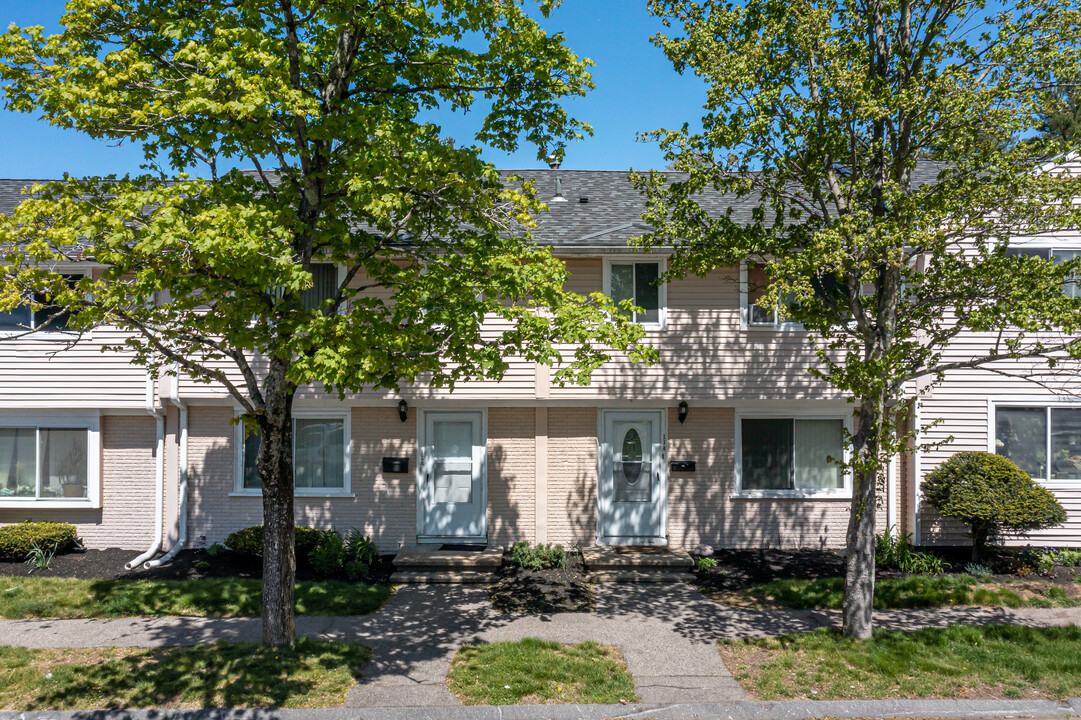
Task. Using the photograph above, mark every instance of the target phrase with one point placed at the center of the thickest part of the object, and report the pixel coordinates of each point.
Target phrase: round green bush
(990, 494)
(249, 541)
(17, 540)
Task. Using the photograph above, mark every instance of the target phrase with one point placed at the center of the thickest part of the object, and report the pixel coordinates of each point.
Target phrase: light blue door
(452, 488)
(632, 487)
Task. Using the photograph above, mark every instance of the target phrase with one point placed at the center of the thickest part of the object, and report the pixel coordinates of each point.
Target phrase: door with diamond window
(632, 487)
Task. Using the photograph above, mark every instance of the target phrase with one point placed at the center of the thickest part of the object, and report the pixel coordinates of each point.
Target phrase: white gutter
(182, 520)
(159, 474)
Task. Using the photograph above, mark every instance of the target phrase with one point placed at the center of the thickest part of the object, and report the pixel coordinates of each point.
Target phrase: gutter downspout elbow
(159, 474)
(182, 519)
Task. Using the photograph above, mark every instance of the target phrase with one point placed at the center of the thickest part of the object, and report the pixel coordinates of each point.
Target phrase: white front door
(452, 487)
(632, 473)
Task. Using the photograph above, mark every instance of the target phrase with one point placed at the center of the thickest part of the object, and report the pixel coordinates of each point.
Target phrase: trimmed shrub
(990, 494)
(541, 557)
(249, 541)
(18, 540)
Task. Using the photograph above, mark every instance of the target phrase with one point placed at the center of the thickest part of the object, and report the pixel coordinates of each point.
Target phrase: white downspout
(917, 457)
(182, 520)
(159, 474)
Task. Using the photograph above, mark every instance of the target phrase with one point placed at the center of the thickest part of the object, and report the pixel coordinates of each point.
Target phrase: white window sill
(51, 504)
(791, 495)
(297, 494)
(784, 327)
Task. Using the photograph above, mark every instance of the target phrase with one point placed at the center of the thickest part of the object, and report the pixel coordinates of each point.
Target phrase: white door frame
(480, 456)
(604, 462)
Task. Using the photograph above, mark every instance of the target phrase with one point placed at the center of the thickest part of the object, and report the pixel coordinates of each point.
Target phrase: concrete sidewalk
(667, 633)
(796, 710)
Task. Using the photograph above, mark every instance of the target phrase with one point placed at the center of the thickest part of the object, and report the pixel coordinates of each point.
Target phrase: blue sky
(637, 90)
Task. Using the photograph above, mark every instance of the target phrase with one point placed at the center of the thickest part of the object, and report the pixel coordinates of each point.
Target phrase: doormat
(459, 547)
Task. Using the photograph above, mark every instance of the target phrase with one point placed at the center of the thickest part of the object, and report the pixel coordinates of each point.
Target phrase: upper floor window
(1055, 255)
(47, 318)
(324, 285)
(320, 456)
(758, 313)
(1044, 441)
(640, 282)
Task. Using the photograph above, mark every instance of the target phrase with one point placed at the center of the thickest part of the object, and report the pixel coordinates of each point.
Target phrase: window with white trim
(320, 456)
(1029, 435)
(762, 315)
(44, 463)
(640, 282)
(47, 318)
(1056, 255)
(796, 456)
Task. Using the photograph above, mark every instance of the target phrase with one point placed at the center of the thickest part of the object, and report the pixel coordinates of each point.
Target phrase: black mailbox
(682, 466)
(395, 465)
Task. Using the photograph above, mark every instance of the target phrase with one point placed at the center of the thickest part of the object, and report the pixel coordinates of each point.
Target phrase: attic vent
(583, 200)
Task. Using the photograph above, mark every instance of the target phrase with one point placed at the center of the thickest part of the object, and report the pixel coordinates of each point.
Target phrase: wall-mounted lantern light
(681, 411)
(403, 410)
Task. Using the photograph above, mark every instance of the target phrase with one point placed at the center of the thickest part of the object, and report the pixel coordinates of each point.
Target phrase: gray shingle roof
(611, 215)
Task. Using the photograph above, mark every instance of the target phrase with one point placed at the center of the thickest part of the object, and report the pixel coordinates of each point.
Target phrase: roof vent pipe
(559, 191)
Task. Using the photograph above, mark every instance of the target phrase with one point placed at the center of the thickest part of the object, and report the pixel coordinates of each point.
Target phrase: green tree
(1061, 115)
(326, 100)
(816, 114)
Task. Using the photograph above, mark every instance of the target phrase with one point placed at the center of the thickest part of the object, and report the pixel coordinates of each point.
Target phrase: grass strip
(917, 591)
(310, 674)
(536, 671)
(41, 597)
(961, 661)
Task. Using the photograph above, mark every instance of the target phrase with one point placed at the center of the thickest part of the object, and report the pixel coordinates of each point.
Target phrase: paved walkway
(667, 633)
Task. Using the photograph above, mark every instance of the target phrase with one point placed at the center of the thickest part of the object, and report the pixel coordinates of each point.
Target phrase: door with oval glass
(632, 487)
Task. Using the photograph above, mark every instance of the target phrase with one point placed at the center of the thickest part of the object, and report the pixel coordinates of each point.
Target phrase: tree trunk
(275, 465)
(860, 559)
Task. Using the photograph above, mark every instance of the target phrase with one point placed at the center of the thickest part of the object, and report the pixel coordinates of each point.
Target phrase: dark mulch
(741, 569)
(108, 564)
(517, 590)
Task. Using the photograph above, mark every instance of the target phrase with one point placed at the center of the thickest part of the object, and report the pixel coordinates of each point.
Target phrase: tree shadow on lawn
(312, 673)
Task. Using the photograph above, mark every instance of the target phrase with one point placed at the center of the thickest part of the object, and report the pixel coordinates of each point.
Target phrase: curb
(788, 710)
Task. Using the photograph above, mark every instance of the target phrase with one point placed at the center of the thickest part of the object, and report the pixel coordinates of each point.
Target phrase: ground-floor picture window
(791, 454)
(1043, 441)
(43, 463)
(319, 455)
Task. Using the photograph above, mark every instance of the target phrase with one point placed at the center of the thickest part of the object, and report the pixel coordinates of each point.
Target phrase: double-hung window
(790, 456)
(756, 312)
(48, 462)
(1043, 440)
(47, 318)
(320, 455)
(640, 282)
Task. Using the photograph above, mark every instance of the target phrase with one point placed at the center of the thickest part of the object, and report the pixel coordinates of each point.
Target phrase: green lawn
(311, 674)
(916, 591)
(960, 661)
(41, 597)
(536, 671)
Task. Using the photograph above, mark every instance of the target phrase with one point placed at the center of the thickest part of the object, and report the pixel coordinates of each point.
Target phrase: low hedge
(249, 541)
(16, 541)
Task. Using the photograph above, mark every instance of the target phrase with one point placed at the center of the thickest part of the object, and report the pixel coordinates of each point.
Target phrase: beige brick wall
(701, 508)
(126, 517)
(511, 475)
(384, 506)
(572, 475)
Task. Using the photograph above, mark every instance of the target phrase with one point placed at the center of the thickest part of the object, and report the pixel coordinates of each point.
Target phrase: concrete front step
(422, 558)
(463, 577)
(631, 575)
(638, 558)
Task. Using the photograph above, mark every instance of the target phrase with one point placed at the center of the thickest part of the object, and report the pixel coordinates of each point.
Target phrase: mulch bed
(108, 564)
(518, 590)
